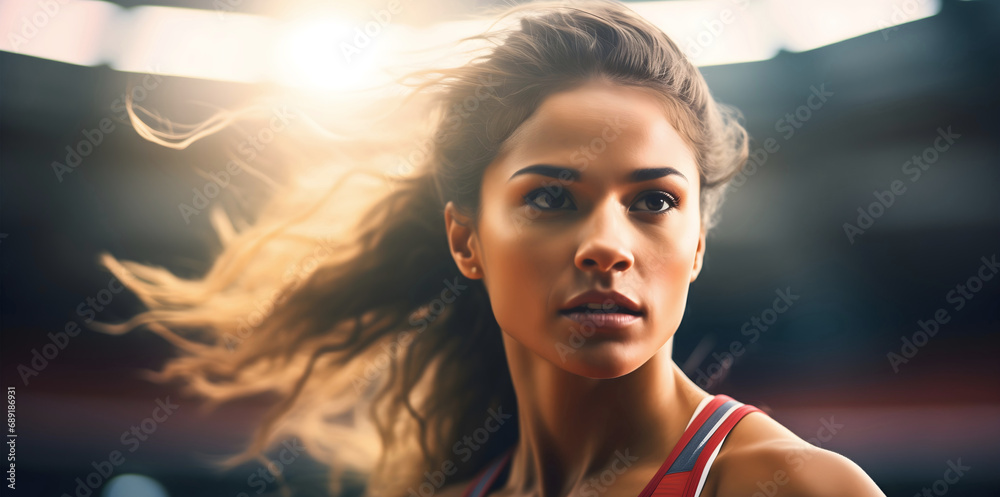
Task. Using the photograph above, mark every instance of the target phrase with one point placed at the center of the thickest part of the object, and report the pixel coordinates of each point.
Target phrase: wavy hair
(341, 296)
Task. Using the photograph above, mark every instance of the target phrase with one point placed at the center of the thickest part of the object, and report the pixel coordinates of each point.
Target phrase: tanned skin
(582, 405)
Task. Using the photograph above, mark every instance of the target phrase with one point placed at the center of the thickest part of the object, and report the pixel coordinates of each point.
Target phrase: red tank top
(682, 474)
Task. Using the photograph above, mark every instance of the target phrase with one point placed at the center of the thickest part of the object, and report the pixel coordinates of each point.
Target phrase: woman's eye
(544, 200)
(658, 202)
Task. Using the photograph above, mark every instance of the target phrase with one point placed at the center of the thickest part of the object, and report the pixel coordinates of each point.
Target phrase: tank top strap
(711, 449)
(483, 482)
(684, 471)
(682, 474)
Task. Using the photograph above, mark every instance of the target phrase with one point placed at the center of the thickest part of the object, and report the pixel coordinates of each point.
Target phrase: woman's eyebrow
(635, 176)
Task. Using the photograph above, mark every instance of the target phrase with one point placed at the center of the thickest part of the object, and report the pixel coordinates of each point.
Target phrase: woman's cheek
(511, 282)
(669, 288)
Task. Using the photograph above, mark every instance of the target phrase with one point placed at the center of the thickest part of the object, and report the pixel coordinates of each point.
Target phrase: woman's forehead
(622, 124)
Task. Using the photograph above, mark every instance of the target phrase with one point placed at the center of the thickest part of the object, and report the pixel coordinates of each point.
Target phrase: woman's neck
(573, 428)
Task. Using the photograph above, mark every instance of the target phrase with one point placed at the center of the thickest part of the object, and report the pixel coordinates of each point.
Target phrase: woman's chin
(600, 364)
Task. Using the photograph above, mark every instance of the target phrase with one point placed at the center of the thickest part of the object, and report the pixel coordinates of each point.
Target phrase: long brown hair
(384, 356)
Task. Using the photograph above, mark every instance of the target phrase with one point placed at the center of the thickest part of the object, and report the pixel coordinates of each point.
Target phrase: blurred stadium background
(838, 97)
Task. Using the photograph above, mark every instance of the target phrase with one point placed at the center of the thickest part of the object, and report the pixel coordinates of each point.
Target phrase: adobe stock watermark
(787, 126)
(32, 24)
(11, 438)
(249, 148)
(379, 22)
(956, 470)
(577, 338)
(463, 448)
(452, 121)
(293, 276)
(582, 157)
(798, 458)
(914, 168)
(903, 12)
(752, 328)
(598, 485)
(958, 296)
(225, 6)
(248, 324)
(94, 137)
(450, 293)
(712, 30)
(290, 452)
(87, 309)
(131, 438)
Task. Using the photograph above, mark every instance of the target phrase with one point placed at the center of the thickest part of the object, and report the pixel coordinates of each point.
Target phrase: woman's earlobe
(461, 241)
(699, 257)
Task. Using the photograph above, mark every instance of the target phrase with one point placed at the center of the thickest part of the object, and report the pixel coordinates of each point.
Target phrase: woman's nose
(605, 240)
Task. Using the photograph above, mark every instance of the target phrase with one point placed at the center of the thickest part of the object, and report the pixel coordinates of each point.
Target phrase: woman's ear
(462, 241)
(699, 257)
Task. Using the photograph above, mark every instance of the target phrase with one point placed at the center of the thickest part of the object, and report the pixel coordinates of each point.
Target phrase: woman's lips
(598, 319)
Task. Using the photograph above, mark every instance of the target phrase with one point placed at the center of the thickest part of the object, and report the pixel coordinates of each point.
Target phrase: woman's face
(595, 191)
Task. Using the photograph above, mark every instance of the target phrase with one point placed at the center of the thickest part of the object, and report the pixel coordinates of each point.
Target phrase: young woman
(501, 317)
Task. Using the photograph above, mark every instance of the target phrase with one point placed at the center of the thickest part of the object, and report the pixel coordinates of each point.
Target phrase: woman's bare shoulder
(762, 455)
